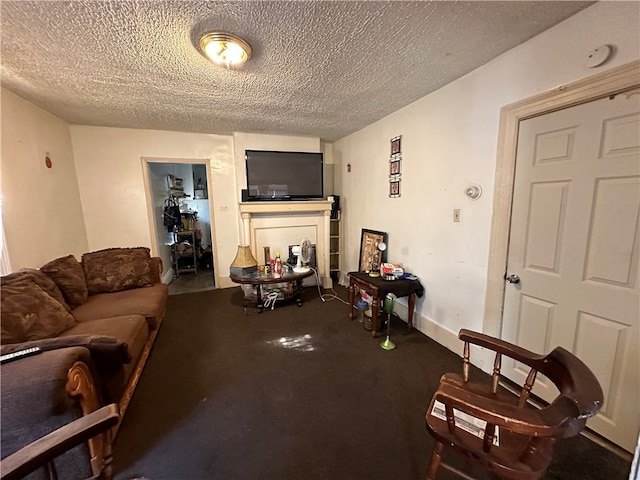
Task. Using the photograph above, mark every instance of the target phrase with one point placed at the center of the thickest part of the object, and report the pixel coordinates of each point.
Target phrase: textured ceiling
(319, 68)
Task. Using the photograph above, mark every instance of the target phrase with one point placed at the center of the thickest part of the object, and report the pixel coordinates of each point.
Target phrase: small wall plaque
(394, 187)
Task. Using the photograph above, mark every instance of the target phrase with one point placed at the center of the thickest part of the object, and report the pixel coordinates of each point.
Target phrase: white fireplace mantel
(279, 224)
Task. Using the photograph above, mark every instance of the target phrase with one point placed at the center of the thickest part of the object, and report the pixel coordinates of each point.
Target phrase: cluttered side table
(378, 288)
(258, 280)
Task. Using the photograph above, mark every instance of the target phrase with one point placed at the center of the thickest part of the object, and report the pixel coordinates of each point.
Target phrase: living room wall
(110, 175)
(41, 207)
(449, 141)
(109, 167)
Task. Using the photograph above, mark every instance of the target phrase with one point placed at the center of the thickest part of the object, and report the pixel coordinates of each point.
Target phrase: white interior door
(574, 248)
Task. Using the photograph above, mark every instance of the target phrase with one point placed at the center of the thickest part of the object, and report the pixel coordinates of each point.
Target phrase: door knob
(512, 279)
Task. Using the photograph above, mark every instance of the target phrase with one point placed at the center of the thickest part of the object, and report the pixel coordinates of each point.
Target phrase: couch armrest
(40, 394)
(156, 269)
(104, 348)
(33, 389)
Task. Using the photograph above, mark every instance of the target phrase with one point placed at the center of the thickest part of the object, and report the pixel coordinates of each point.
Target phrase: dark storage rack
(184, 251)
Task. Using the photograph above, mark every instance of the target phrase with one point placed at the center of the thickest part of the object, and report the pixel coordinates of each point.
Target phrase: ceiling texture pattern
(319, 68)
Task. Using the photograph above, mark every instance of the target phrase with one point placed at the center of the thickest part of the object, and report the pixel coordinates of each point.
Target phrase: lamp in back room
(245, 263)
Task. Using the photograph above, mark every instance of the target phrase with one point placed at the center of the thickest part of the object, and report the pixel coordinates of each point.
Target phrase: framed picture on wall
(394, 166)
(394, 187)
(370, 256)
(395, 145)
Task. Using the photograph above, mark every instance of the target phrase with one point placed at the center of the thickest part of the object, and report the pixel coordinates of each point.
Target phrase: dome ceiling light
(225, 48)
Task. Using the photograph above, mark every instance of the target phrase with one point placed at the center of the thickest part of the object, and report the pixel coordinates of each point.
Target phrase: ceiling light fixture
(225, 48)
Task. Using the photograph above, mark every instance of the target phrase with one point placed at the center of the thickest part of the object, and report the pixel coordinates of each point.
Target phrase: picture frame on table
(370, 256)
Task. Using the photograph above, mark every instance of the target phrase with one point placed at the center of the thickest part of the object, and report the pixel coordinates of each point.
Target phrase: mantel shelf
(286, 206)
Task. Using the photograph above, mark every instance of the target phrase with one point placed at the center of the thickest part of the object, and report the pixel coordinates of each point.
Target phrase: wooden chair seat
(502, 461)
(526, 434)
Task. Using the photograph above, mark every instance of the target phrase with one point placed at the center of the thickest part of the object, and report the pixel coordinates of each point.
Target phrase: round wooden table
(292, 292)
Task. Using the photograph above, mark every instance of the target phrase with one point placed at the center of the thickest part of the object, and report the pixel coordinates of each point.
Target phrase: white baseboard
(433, 330)
(168, 276)
(446, 338)
(225, 282)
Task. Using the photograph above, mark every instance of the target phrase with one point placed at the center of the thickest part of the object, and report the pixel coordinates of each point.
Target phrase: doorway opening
(187, 246)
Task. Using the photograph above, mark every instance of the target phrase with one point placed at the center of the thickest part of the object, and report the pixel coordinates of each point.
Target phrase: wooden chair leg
(434, 463)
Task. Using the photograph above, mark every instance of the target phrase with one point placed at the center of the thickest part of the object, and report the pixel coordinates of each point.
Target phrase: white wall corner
(168, 276)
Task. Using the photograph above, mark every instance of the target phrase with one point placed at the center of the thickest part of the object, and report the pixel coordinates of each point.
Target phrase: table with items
(291, 289)
(378, 288)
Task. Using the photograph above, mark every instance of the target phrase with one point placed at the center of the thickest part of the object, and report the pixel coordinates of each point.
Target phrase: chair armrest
(527, 421)
(571, 376)
(500, 346)
(45, 449)
(576, 381)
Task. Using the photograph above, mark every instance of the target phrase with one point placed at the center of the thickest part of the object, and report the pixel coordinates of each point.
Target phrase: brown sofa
(111, 303)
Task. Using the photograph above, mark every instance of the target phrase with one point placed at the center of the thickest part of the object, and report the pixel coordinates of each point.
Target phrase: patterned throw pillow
(40, 278)
(116, 269)
(69, 277)
(30, 313)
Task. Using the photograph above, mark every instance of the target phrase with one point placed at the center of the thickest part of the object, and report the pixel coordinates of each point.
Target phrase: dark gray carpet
(294, 393)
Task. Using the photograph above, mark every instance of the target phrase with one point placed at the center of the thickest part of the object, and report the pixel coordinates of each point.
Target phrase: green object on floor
(387, 344)
(389, 302)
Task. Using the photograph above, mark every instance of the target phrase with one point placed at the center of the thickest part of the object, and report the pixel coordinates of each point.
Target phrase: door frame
(151, 211)
(598, 86)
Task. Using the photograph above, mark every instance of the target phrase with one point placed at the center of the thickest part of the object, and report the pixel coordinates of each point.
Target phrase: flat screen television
(284, 175)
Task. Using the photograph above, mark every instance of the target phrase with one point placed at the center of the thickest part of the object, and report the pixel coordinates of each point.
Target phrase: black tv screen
(284, 175)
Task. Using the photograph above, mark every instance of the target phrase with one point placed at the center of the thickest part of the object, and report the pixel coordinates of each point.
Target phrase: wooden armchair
(509, 436)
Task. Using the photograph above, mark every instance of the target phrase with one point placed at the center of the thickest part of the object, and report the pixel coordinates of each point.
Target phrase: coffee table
(258, 280)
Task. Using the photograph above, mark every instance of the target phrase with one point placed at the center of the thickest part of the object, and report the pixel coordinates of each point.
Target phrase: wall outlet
(456, 214)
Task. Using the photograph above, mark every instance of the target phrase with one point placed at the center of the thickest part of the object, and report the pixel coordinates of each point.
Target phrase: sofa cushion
(68, 275)
(30, 313)
(131, 330)
(115, 269)
(40, 278)
(150, 302)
